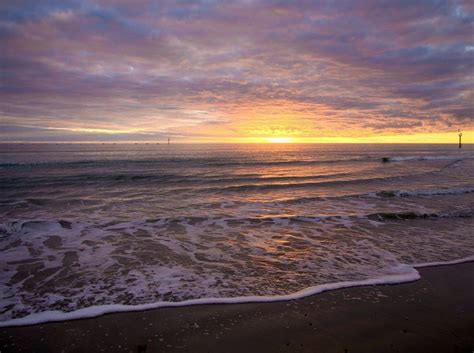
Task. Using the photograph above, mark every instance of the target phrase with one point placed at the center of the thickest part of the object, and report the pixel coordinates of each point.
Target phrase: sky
(236, 71)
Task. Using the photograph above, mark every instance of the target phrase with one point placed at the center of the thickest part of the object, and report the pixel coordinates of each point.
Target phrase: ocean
(93, 228)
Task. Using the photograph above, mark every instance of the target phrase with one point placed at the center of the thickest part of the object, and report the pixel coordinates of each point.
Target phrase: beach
(433, 314)
(236, 176)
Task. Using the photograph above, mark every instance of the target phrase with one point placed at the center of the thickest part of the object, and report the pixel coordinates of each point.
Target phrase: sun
(279, 139)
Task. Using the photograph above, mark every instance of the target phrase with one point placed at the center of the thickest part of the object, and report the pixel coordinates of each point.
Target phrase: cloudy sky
(234, 70)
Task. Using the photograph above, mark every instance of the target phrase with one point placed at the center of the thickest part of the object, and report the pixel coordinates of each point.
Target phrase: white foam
(315, 260)
(431, 158)
(436, 191)
(407, 274)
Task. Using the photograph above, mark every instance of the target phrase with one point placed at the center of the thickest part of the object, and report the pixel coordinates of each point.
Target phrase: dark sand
(434, 314)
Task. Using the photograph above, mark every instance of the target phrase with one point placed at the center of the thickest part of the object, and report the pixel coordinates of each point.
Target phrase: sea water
(92, 228)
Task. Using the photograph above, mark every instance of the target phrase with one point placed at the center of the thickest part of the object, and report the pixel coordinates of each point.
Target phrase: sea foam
(407, 274)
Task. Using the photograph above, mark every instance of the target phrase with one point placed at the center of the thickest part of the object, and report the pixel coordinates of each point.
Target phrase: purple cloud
(164, 68)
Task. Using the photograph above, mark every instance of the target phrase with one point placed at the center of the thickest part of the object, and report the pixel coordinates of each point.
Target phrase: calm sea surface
(98, 224)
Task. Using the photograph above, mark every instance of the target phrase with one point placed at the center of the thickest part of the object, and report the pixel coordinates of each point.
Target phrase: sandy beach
(434, 314)
(236, 176)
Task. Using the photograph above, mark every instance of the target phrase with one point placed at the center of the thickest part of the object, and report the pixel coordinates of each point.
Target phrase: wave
(429, 158)
(326, 183)
(457, 190)
(381, 216)
(248, 181)
(209, 162)
(454, 190)
(384, 216)
(17, 226)
(213, 162)
(291, 162)
(405, 273)
(11, 227)
(164, 178)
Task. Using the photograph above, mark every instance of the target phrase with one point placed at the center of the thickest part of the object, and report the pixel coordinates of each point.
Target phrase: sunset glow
(240, 71)
(279, 139)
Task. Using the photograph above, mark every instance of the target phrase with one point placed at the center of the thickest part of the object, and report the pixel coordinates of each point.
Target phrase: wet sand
(434, 314)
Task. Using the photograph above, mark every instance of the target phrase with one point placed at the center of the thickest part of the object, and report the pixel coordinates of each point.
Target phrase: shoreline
(433, 314)
(407, 274)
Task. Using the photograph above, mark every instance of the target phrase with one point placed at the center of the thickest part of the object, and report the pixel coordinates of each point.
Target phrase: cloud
(234, 68)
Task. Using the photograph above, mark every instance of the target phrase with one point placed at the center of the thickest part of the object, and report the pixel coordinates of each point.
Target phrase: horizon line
(228, 143)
